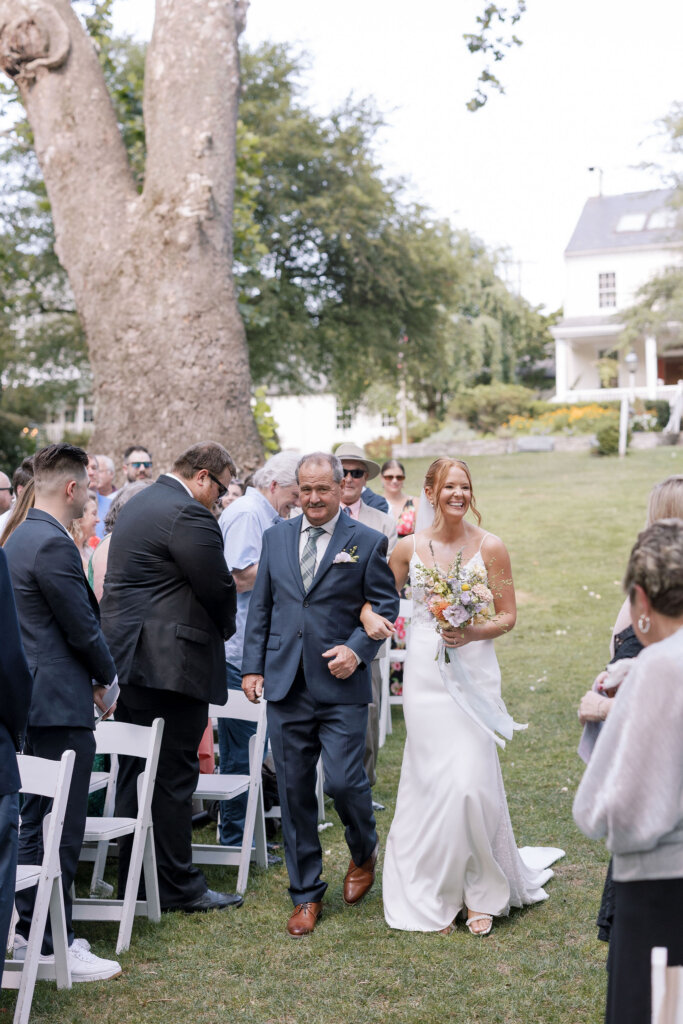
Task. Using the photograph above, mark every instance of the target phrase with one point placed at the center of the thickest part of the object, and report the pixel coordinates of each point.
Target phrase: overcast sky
(585, 89)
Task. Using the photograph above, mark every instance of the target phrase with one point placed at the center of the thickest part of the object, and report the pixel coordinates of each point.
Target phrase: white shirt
(322, 540)
(180, 481)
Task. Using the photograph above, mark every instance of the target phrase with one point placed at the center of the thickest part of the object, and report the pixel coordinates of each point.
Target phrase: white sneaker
(21, 944)
(85, 966)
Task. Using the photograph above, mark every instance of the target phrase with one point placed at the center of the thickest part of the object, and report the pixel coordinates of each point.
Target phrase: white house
(619, 243)
(318, 421)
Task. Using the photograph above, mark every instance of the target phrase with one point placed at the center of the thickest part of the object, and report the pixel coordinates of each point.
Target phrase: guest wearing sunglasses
(401, 506)
(137, 463)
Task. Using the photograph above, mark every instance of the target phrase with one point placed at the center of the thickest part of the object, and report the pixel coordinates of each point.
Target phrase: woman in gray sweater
(632, 791)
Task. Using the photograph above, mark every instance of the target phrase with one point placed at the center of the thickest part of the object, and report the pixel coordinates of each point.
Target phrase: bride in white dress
(451, 848)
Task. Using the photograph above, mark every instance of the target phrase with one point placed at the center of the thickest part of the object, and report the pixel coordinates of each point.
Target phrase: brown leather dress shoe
(304, 919)
(359, 880)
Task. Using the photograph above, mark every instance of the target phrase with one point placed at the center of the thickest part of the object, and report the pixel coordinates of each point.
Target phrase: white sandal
(479, 917)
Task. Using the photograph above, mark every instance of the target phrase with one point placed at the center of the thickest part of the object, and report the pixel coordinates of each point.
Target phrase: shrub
(379, 448)
(15, 445)
(488, 406)
(556, 419)
(419, 430)
(607, 438)
(662, 410)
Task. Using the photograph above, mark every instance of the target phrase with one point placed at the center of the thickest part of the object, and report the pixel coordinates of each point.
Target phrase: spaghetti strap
(482, 541)
(414, 545)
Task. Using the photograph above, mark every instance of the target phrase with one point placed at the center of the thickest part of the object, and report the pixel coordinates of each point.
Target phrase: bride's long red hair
(436, 477)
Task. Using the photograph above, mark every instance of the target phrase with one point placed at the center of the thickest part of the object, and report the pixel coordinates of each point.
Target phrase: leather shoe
(209, 900)
(304, 919)
(359, 880)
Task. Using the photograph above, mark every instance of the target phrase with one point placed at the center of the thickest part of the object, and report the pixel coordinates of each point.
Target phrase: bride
(451, 848)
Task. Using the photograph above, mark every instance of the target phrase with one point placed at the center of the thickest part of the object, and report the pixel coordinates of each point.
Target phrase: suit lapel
(292, 545)
(343, 532)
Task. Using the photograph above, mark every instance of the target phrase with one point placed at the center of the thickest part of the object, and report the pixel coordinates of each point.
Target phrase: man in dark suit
(16, 684)
(71, 667)
(168, 605)
(307, 652)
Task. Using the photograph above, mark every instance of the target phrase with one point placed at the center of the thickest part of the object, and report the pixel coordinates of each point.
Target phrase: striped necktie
(309, 555)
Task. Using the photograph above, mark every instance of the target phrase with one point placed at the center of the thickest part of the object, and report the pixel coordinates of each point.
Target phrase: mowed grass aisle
(569, 522)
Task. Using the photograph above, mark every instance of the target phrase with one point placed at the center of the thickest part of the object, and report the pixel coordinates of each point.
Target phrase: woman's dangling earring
(644, 623)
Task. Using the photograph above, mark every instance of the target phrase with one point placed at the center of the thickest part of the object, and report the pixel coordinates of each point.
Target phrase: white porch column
(651, 366)
(561, 377)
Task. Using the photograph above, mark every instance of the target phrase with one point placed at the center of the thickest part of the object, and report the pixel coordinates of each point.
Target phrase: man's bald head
(5, 492)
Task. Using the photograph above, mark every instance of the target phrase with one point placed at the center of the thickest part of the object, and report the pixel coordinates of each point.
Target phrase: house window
(388, 419)
(69, 415)
(607, 290)
(344, 418)
(88, 415)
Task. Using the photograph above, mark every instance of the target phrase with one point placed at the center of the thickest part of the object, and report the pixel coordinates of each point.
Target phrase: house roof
(625, 222)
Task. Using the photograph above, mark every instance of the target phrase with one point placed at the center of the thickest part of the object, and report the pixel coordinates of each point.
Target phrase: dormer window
(607, 290)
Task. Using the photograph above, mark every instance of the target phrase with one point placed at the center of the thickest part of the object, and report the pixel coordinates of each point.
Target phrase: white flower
(343, 556)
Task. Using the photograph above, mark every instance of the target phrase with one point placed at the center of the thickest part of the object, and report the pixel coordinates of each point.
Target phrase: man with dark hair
(168, 605)
(137, 463)
(71, 667)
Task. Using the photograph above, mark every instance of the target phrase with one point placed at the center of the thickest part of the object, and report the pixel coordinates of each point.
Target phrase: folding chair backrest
(237, 706)
(124, 738)
(38, 774)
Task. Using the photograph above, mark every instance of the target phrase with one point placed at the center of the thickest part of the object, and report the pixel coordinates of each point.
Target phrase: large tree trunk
(151, 273)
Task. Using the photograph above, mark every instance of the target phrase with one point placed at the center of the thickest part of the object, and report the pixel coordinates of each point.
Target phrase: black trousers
(646, 914)
(300, 730)
(9, 842)
(177, 774)
(51, 742)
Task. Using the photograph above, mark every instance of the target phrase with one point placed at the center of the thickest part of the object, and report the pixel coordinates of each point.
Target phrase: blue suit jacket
(375, 500)
(286, 625)
(59, 619)
(16, 684)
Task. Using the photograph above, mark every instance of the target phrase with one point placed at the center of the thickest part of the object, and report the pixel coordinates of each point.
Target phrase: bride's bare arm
(399, 563)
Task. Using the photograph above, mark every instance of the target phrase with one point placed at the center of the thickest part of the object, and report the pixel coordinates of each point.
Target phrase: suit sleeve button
(299, 634)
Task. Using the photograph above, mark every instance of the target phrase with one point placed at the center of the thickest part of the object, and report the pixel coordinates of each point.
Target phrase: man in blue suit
(16, 684)
(306, 651)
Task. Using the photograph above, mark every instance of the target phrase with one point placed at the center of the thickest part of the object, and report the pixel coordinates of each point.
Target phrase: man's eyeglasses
(222, 489)
(139, 465)
(355, 473)
(388, 476)
(10, 489)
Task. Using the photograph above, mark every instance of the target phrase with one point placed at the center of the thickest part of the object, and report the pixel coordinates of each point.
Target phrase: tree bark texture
(151, 273)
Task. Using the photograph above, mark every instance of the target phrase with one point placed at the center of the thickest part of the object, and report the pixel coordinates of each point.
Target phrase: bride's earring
(644, 623)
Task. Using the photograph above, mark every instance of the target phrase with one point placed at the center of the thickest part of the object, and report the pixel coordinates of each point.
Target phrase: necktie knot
(346, 510)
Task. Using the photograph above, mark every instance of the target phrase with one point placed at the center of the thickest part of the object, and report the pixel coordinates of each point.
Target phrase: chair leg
(149, 868)
(131, 894)
(59, 936)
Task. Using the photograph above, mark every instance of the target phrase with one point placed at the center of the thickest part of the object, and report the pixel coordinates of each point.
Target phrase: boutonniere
(346, 556)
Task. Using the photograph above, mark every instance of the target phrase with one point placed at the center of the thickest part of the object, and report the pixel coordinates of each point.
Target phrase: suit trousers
(301, 729)
(51, 742)
(372, 733)
(177, 774)
(9, 842)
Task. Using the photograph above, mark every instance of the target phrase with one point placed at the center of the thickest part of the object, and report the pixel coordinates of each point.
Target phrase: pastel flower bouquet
(456, 596)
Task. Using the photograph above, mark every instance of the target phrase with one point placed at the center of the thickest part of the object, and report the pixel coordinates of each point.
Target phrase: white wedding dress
(451, 843)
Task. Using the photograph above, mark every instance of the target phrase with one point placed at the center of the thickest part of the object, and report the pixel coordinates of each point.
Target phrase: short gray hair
(109, 463)
(279, 469)
(332, 461)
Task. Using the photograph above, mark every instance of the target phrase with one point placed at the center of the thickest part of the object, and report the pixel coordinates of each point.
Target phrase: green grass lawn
(569, 522)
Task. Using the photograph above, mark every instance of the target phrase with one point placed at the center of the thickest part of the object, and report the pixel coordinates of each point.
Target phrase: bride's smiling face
(455, 496)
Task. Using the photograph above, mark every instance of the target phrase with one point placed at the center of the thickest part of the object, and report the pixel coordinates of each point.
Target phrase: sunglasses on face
(139, 465)
(388, 476)
(355, 473)
(10, 489)
(222, 489)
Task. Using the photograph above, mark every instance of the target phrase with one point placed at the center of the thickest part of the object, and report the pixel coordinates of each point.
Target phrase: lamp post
(631, 360)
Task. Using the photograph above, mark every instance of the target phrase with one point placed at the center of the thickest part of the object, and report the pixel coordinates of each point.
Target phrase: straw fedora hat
(349, 450)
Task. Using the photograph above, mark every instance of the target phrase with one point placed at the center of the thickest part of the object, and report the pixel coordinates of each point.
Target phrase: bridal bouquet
(456, 596)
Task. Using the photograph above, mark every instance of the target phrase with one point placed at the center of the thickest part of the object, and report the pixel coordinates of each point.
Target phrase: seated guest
(16, 684)
(632, 791)
(71, 667)
(83, 530)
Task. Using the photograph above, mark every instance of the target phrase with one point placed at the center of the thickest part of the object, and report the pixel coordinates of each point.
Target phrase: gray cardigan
(632, 791)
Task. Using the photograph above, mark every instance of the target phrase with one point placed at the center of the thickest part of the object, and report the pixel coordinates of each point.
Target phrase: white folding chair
(667, 989)
(144, 742)
(227, 787)
(49, 779)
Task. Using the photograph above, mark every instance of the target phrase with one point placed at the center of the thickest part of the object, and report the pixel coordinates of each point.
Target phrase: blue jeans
(9, 844)
(233, 748)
